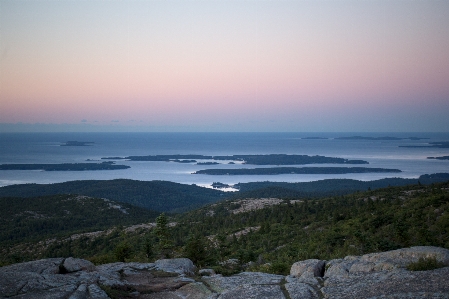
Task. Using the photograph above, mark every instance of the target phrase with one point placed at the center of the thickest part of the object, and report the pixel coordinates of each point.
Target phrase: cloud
(84, 120)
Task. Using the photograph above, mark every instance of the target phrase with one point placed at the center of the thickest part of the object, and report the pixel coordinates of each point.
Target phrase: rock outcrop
(377, 275)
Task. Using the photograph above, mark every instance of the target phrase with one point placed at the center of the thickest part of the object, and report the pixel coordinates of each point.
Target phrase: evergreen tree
(163, 235)
(195, 250)
(123, 251)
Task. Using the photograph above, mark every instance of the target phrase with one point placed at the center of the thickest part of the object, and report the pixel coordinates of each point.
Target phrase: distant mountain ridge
(164, 196)
(161, 196)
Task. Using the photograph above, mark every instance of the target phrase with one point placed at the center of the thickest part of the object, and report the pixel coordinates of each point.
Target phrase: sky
(224, 65)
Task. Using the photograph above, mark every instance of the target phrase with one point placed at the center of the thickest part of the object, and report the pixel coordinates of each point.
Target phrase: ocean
(45, 148)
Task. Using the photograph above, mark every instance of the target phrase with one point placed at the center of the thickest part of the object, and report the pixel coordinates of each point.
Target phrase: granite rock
(373, 276)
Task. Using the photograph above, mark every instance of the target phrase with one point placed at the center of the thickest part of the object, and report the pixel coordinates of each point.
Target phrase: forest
(266, 238)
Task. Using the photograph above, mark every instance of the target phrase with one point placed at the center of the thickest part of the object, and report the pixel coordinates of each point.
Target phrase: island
(378, 138)
(77, 143)
(283, 159)
(64, 166)
(183, 161)
(207, 163)
(157, 158)
(441, 144)
(295, 170)
(314, 138)
(218, 185)
(270, 159)
(439, 158)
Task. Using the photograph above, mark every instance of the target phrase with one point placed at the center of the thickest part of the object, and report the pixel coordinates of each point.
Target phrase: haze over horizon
(310, 66)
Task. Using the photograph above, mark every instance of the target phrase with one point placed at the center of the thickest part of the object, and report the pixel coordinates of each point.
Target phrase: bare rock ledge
(376, 275)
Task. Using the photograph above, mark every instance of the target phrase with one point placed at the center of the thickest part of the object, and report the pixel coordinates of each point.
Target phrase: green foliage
(327, 228)
(148, 248)
(164, 238)
(29, 219)
(334, 227)
(123, 251)
(195, 250)
(281, 268)
(424, 264)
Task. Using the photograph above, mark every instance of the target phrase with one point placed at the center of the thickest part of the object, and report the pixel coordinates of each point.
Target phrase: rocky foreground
(377, 275)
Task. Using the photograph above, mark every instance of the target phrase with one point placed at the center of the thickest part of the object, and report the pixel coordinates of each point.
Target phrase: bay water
(33, 148)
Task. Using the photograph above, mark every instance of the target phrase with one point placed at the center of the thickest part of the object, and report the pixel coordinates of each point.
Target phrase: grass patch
(424, 264)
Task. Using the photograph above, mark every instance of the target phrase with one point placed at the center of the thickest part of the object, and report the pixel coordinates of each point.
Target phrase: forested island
(161, 158)
(184, 161)
(378, 138)
(439, 158)
(295, 170)
(271, 159)
(442, 144)
(64, 166)
(207, 163)
(77, 143)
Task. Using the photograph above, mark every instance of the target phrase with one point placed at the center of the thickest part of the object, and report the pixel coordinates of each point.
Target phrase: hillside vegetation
(164, 196)
(32, 220)
(267, 234)
(161, 196)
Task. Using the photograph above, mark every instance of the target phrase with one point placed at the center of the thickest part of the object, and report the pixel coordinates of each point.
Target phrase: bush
(424, 264)
(279, 268)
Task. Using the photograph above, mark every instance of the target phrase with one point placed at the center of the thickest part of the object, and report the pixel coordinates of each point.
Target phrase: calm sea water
(45, 148)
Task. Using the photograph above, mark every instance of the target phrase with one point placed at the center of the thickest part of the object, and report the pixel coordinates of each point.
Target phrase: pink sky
(226, 65)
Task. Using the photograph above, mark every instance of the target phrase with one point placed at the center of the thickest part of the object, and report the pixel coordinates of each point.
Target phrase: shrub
(424, 264)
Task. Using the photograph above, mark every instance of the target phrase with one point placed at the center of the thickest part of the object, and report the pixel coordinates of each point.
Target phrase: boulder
(73, 265)
(180, 266)
(308, 268)
(300, 290)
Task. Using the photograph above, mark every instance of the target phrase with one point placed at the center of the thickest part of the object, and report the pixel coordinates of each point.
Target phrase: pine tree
(162, 232)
